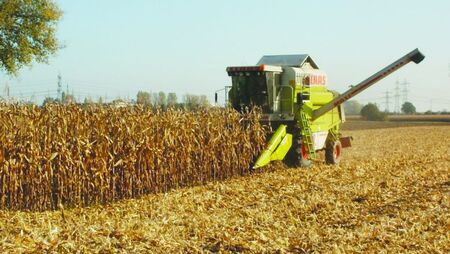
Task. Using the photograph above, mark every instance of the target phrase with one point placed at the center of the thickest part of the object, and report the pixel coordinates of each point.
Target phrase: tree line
(371, 111)
(161, 100)
(143, 98)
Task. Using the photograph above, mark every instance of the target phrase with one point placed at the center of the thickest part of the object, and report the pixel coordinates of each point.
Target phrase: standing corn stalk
(76, 157)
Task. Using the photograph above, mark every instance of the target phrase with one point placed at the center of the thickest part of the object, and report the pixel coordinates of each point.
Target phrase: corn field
(77, 156)
(372, 202)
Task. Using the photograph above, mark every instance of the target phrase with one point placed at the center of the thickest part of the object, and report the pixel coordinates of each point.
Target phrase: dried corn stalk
(80, 156)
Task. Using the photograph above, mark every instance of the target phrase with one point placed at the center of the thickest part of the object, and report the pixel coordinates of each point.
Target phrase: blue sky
(115, 48)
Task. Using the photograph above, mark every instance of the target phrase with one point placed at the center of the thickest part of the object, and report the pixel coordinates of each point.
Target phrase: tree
(193, 102)
(88, 101)
(162, 99)
(203, 101)
(172, 100)
(155, 99)
(27, 32)
(68, 98)
(190, 101)
(408, 108)
(372, 113)
(352, 107)
(119, 103)
(49, 100)
(143, 98)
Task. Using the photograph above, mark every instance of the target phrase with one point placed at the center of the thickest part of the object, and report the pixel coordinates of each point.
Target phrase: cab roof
(288, 60)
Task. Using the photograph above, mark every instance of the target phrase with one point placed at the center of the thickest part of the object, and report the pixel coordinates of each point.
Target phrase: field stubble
(391, 193)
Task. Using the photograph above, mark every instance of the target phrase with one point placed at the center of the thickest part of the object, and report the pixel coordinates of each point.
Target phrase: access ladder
(307, 136)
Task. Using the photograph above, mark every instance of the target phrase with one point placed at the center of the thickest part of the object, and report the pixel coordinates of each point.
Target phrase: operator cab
(275, 84)
(254, 86)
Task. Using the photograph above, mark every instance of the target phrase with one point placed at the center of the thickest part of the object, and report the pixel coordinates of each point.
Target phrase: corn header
(293, 95)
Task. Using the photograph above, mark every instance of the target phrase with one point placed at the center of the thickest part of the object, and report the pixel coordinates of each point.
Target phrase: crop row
(77, 156)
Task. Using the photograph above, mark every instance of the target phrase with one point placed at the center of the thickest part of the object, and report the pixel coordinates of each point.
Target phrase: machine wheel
(333, 152)
(298, 155)
(303, 155)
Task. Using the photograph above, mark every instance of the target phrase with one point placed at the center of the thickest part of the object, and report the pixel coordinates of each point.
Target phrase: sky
(115, 48)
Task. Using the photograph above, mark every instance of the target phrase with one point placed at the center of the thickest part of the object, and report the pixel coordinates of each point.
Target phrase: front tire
(298, 155)
(333, 152)
(304, 162)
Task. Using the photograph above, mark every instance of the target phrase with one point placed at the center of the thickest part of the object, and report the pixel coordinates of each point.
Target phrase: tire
(333, 152)
(297, 155)
(303, 155)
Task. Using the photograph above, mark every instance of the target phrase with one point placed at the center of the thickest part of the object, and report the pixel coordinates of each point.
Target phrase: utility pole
(405, 90)
(397, 96)
(60, 87)
(6, 91)
(387, 102)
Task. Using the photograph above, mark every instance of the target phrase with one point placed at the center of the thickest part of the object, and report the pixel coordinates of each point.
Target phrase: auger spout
(415, 56)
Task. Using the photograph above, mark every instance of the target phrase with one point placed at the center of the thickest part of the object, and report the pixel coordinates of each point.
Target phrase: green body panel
(286, 100)
(282, 149)
(330, 120)
(277, 148)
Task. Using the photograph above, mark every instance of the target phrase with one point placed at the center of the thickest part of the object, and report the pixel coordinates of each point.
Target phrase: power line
(405, 90)
(33, 92)
(397, 97)
(7, 91)
(59, 90)
(387, 102)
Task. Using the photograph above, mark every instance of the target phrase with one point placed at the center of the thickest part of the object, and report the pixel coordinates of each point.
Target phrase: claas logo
(315, 80)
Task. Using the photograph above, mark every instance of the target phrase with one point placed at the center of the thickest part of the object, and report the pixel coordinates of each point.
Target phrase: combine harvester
(292, 92)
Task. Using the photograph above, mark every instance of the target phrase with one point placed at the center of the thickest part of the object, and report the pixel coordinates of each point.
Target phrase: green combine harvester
(292, 92)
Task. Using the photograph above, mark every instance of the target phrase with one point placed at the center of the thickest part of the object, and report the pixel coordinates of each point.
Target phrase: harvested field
(420, 118)
(395, 121)
(391, 193)
(410, 118)
(67, 155)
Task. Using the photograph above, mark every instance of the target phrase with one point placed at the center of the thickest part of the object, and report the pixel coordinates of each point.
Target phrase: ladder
(307, 136)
